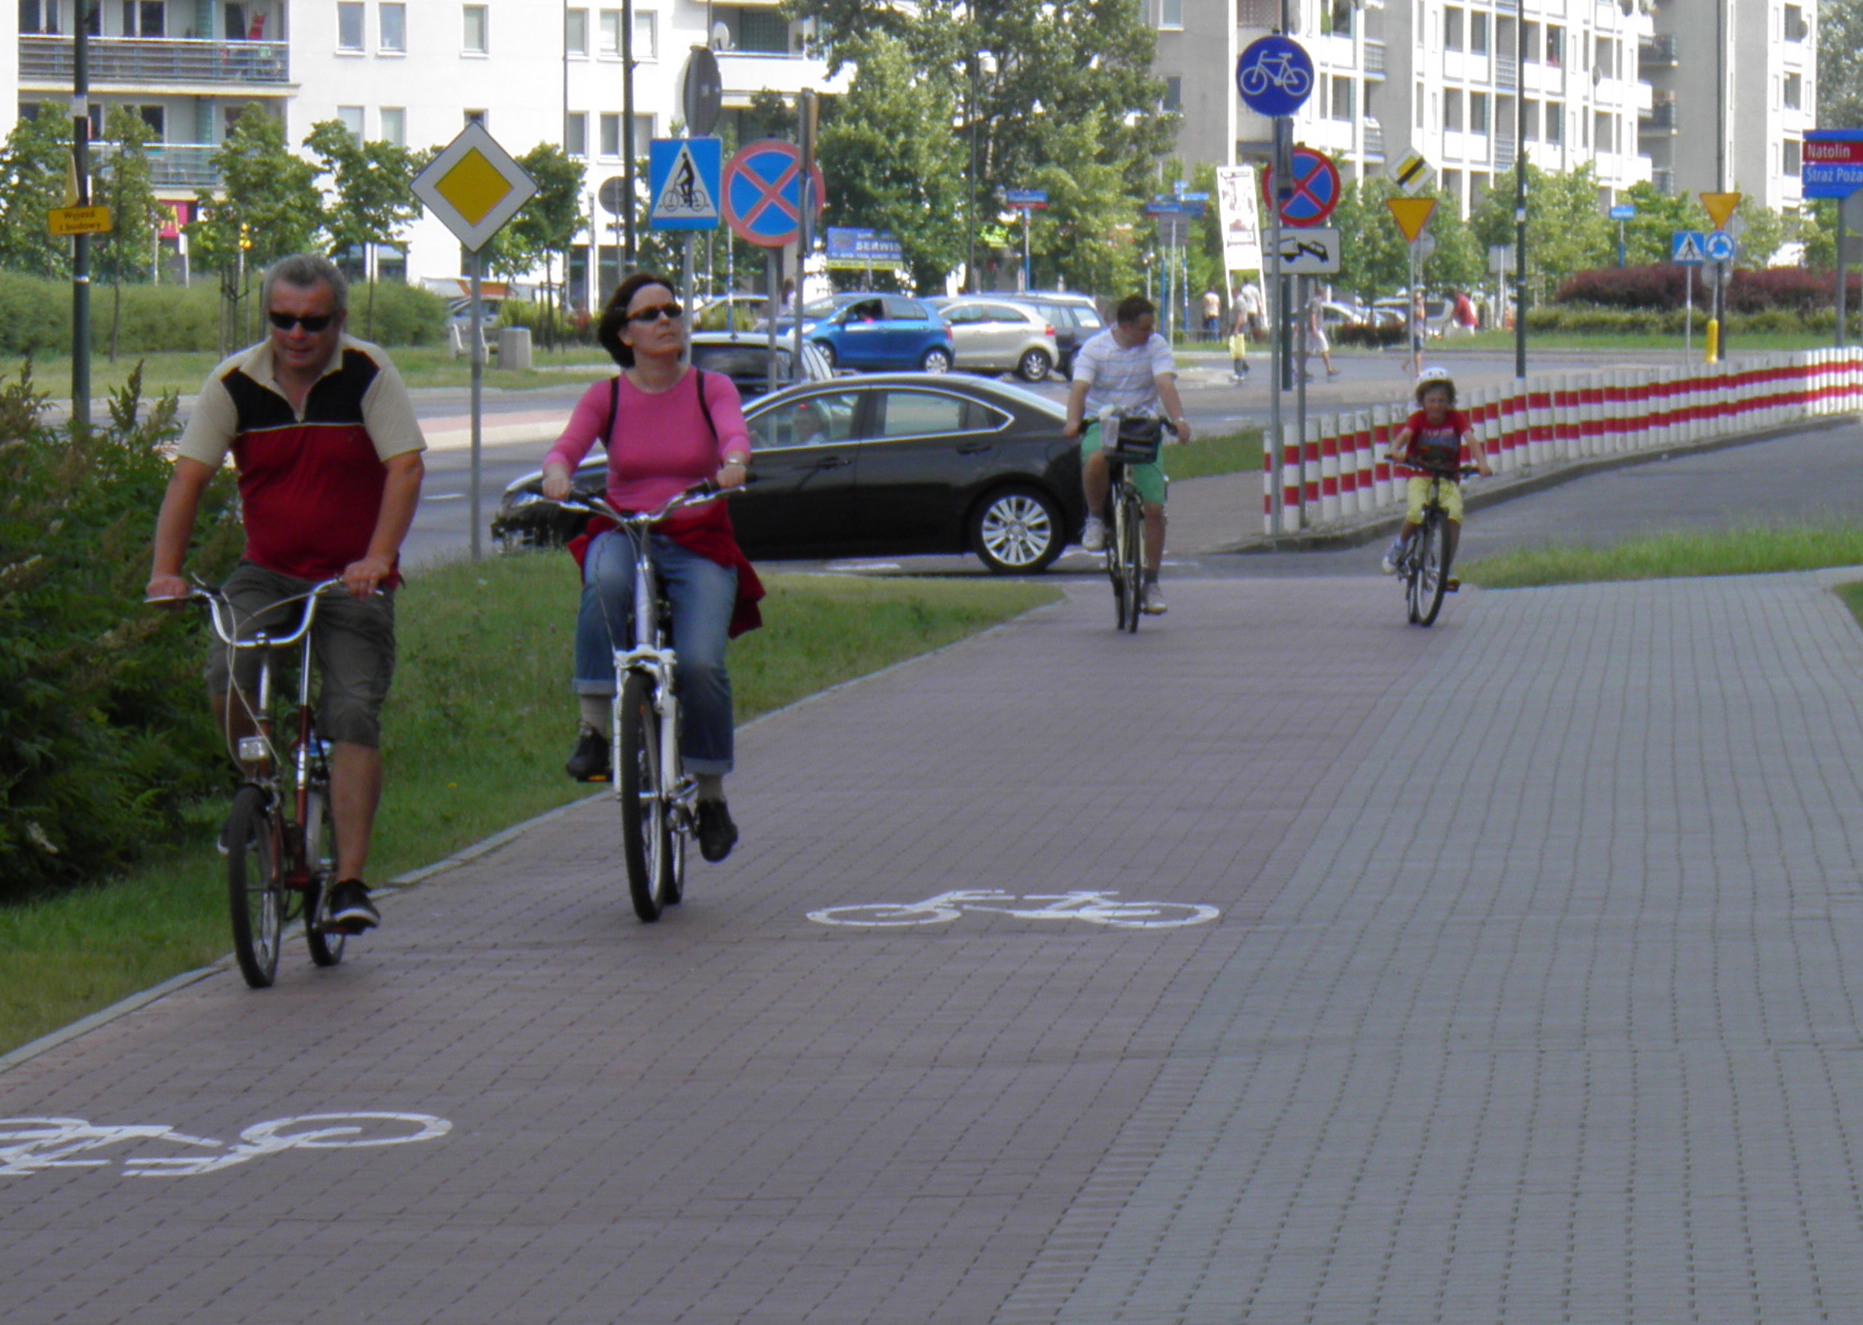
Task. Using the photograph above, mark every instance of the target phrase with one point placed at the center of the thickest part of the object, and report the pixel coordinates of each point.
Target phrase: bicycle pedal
(1450, 586)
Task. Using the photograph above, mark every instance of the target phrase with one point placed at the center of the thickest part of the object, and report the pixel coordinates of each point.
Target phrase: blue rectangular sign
(851, 244)
(1831, 163)
(1623, 212)
(1026, 197)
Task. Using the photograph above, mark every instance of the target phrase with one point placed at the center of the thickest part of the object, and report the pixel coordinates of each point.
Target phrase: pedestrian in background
(1212, 314)
(1238, 346)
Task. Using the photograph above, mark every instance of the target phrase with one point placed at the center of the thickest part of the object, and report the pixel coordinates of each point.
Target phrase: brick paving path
(1554, 1023)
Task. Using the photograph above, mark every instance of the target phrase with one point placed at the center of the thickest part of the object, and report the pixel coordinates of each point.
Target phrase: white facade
(407, 71)
(1627, 85)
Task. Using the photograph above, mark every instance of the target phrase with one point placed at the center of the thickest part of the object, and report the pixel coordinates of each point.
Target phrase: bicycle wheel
(1432, 567)
(326, 945)
(1132, 560)
(255, 886)
(644, 828)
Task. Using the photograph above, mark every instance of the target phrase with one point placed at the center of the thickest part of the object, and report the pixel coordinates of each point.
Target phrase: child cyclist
(1431, 442)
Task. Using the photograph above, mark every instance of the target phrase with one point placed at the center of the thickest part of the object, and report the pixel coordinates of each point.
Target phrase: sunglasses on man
(315, 323)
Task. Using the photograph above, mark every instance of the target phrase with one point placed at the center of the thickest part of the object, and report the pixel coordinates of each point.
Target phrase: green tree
(373, 196)
(546, 225)
(1023, 77)
(126, 188)
(268, 206)
(1840, 64)
(1649, 236)
(891, 159)
(1374, 259)
(1567, 231)
(35, 165)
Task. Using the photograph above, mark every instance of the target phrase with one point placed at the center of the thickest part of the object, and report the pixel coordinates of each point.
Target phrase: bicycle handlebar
(696, 495)
(1465, 471)
(217, 604)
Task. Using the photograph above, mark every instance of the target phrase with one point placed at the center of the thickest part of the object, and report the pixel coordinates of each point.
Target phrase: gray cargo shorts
(353, 640)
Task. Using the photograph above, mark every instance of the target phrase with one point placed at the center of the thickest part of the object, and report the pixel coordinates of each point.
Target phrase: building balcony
(155, 60)
(746, 73)
(1659, 119)
(1374, 141)
(1375, 58)
(1662, 179)
(174, 165)
(1657, 52)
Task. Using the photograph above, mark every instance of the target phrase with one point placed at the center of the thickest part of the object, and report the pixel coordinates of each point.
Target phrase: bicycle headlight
(253, 749)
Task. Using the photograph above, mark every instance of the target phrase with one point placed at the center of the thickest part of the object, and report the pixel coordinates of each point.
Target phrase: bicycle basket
(1137, 441)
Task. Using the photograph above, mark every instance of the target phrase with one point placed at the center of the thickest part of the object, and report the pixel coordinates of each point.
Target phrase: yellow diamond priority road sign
(474, 186)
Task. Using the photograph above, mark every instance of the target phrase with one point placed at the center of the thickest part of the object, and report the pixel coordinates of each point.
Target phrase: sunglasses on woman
(313, 324)
(671, 312)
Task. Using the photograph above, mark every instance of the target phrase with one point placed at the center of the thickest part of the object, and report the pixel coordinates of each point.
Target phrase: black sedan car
(881, 465)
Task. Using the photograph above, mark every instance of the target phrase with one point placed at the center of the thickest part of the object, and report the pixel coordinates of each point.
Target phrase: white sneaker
(1093, 536)
(1151, 601)
(1389, 564)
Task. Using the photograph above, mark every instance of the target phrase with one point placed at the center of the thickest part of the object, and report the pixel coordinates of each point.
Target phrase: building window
(610, 32)
(1794, 154)
(142, 18)
(762, 30)
(1601, 133)
(575, 32)
(394, 20)
(349, 25)
(395, 125)
(38, 18)
(611, 135)
(1343, 97)
(576, 133)
(1420, 95)
(1555, 123)
(1478, 112)
(1532, 134)
(476, 35)
(1452, 110)
(1795, 27)
(646, 35)
(351, 116)
(1452, 28)
(1173, 94)
(1530, 35)
(157, 120)
(1605, 61)
(1171, 14)
(1794, 92)
(1258, 13)
(1555, 45)
(1336, 17)
(1478, 33)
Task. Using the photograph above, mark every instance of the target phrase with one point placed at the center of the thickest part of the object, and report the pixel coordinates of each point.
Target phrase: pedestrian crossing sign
(684, 179)
(1688, 248)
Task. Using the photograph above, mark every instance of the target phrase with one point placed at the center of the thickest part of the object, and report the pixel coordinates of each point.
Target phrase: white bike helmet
(1430, 377)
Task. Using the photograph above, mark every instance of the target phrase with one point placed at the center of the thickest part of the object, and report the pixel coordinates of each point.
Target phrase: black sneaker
(590, 761)
(717, 834)
(350, 908)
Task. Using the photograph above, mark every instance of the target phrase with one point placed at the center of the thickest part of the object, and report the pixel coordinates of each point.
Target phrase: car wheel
(1034, 366)
(936, 360)
(827, 353)
(1018, 531)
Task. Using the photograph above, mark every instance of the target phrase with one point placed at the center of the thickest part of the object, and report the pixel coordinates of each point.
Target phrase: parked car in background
(1075, 318)
(745, 359)
(881, 465)
(878, 332)
(1438, 310)
(1000, 335)
(730, 312)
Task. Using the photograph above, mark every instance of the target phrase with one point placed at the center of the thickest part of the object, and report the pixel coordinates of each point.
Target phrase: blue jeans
(703, 594)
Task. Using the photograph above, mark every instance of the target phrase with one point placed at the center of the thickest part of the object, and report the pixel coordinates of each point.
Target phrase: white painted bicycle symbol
(33, 1145)
(1274, 69)
(1093, 907)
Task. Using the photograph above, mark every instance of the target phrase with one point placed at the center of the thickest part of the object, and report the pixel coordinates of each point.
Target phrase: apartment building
(411, 72)
(1629, 86)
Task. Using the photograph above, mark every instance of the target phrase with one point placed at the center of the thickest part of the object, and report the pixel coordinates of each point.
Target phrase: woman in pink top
(662, 437)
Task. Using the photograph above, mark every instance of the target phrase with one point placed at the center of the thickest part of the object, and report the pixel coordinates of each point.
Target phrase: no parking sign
(1315, 188)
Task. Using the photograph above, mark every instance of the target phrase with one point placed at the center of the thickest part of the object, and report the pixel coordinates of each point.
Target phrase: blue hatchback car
(886, 332)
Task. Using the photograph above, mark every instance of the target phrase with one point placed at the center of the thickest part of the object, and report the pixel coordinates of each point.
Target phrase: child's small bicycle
(279, 838)
(1423, 562)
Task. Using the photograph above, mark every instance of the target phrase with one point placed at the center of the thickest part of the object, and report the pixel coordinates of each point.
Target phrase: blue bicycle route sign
(1274, 75)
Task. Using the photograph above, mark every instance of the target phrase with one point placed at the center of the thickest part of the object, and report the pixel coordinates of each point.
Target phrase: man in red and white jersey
(323, 435)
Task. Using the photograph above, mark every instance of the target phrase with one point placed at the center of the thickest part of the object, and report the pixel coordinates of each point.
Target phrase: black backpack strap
(705, 406)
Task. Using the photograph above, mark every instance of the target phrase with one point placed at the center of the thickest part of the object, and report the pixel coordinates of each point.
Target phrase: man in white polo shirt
(1129, 367)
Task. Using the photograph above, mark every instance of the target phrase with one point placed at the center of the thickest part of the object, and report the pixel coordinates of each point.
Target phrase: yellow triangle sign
(1720, 206)
(1411, 214)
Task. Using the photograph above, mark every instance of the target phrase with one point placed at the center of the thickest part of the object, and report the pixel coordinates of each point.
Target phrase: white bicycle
(1096, 908)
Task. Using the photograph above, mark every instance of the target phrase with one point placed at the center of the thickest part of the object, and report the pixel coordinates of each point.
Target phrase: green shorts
(1148, 479)
(353, 640)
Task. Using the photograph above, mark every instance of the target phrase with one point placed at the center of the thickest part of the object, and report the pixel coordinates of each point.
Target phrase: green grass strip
(477, 730)
(1230, 453)
(1753, 551)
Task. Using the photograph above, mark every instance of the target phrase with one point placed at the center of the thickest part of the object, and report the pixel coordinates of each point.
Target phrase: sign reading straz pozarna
(1832, 163)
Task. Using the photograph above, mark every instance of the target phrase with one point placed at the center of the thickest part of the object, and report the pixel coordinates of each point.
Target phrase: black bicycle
(279, 838)
(1423, 561)
(658, 798)
(1136, 439)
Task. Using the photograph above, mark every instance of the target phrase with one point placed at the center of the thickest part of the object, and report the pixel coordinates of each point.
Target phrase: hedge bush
(104, 734)
(1589, 320)
(35, 316)
(1664, 287)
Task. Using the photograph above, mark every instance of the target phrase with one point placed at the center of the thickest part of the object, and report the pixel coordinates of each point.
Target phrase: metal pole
(627, 136)
(1520, 190)
(478, 386)
(970, 182)
(81, 244)
(1843, 275)
(1688, 323)
(805, 233)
